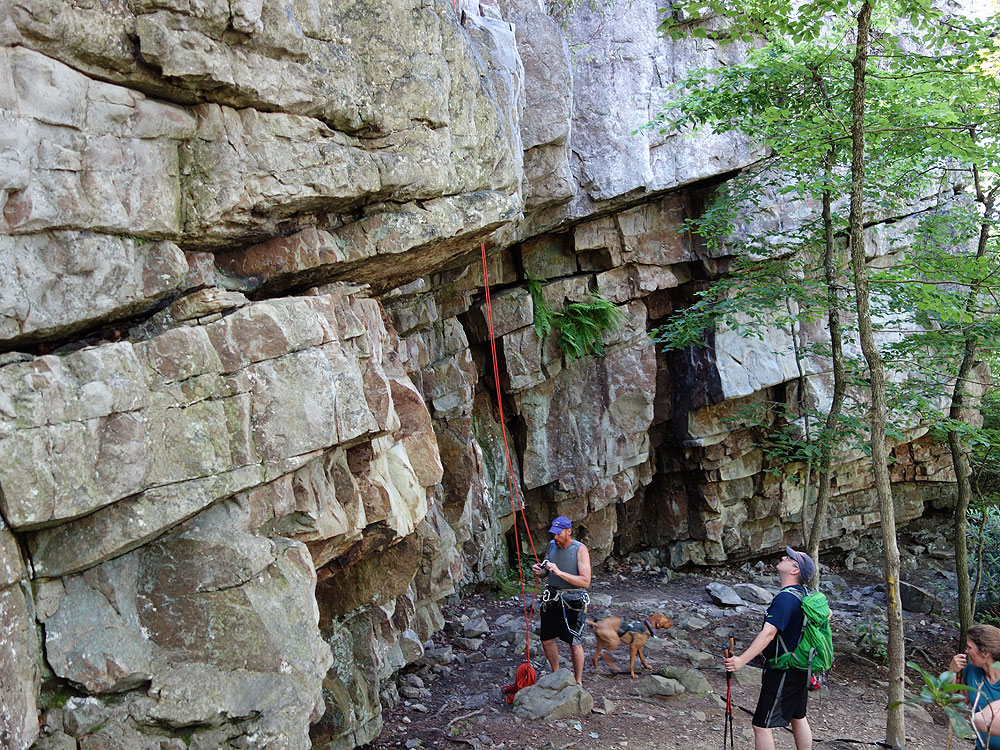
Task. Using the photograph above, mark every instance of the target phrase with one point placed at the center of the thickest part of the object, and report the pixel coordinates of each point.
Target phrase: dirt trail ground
(459, 704)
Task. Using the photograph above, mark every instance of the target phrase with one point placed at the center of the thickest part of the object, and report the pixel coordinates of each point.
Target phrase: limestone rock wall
(250, 432)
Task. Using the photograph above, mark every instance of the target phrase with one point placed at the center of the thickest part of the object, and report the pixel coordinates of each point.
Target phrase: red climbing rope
(525, 673)
(525, 677)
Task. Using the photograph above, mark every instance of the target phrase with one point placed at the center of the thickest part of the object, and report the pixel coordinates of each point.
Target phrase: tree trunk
(894, 728)
(796, 331)
(963, 475)
(980, 545)
(831, 268)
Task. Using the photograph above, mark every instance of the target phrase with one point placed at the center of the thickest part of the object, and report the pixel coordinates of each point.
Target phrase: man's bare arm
(582, 580)
(764, 637)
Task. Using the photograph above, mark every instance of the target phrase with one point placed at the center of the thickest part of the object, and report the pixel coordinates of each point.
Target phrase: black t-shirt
(785, 613)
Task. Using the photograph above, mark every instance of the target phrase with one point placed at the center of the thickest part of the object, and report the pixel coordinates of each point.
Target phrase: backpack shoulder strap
(798, 594)
(794, 591)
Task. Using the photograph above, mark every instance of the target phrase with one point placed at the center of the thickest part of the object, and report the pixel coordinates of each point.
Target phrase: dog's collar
(649, 627)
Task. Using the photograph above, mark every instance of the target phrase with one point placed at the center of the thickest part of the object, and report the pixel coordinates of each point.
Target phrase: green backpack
(814, 652)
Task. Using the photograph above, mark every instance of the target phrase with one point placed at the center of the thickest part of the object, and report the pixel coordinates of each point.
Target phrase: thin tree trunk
(980, 545)
(831, 268)
(962, 475)
(894, 728)
(981, 533)
(796, 330)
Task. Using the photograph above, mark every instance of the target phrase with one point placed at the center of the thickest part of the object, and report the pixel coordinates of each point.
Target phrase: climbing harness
(727, 727)
(575, 599)
(566, 595)
(526, 674)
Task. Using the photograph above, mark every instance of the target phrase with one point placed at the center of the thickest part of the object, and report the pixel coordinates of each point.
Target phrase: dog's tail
(592, 623)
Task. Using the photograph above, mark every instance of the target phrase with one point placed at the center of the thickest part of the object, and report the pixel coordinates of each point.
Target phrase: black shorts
(783, 696)
(560, 616)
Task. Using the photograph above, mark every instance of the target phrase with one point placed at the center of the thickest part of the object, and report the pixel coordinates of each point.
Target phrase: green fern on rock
(581, 325)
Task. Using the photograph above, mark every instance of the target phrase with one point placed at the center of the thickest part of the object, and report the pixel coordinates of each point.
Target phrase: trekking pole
(727, 728)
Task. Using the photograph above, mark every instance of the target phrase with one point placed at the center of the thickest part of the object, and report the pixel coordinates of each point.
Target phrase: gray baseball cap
(806, 565)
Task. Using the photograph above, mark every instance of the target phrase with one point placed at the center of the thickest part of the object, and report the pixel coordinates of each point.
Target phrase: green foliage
(872, 637)
(986, 449)
(787, 444)
(793, 93)
(544, 315)
(755, 296)
(942, 691)
(938, 298)
(936, 273)
(581, 325)
(507, 584)
(984, 523)
(778, 430)
(932, 99)
(561, 10)
(55, 694)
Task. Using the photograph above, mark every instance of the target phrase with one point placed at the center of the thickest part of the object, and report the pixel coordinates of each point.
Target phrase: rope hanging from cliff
(525, 673)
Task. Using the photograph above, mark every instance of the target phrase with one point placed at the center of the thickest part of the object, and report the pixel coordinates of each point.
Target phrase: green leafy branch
(780, 434)
(942, 691)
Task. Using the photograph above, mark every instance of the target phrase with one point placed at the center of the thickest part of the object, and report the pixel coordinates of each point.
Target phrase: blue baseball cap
(806, 565)
(559, 524)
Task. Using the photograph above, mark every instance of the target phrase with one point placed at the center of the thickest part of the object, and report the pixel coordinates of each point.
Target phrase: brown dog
(614, 630)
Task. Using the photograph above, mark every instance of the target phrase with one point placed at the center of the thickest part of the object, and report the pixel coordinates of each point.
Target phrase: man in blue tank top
(566, 570)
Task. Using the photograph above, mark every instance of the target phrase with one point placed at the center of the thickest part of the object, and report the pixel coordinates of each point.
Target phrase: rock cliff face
(249, 436)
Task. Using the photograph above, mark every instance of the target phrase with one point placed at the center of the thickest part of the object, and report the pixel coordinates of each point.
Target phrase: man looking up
(566, 569)
(783, 692)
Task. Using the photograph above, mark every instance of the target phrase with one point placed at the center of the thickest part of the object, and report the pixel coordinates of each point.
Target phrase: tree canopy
(877, 121)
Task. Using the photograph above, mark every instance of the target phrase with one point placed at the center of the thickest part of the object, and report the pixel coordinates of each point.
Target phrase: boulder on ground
(691, 622)
(554, 696)
(55, 741)
(751, 592)
(441, 655)
(476, 628)
(916, 599)
(834, 580)
(749, 678)
(917, 713)
(723, 595)
(692, 680)
(656, 685)
(697, 657)
(600, 600)
(604, 706)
